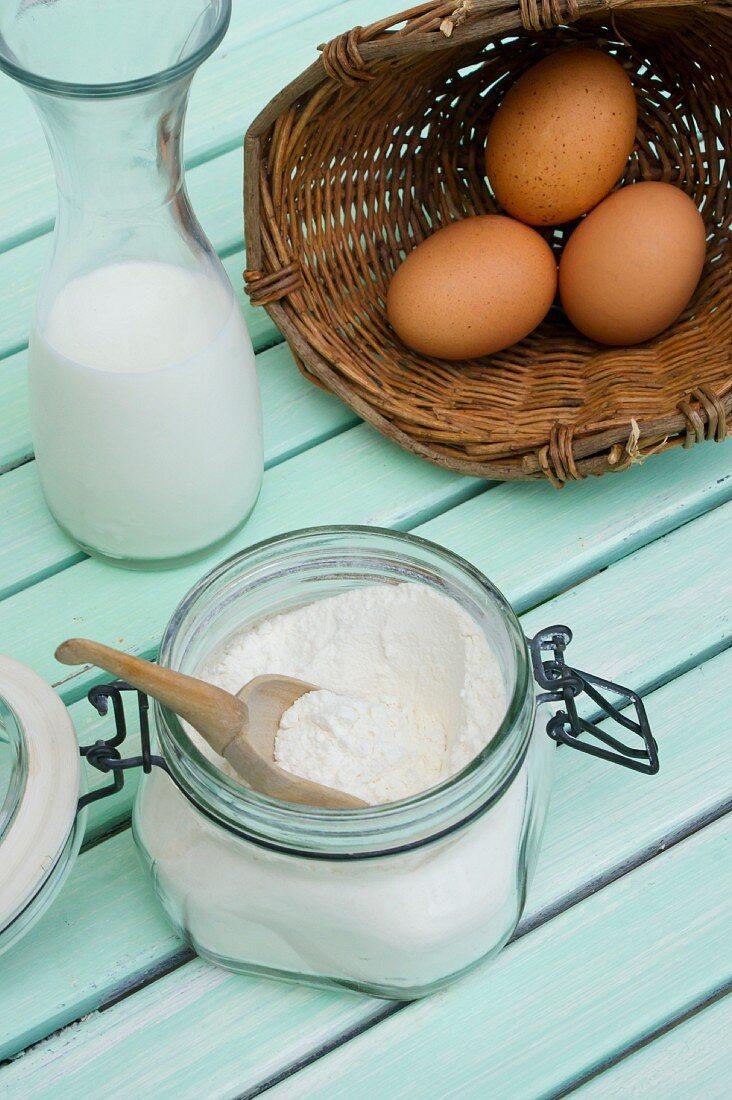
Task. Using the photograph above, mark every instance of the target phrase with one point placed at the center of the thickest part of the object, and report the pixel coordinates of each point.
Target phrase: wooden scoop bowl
(241, 728)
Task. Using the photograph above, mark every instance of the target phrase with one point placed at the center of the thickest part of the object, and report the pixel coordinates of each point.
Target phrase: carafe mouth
(87, 50)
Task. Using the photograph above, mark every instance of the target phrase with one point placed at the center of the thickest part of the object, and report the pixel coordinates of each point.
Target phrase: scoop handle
(218, 716)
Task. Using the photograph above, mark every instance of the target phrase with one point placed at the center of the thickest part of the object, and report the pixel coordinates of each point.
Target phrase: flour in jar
(411, 689)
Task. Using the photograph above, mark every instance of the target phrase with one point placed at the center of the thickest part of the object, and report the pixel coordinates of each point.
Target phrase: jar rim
(118, 88)
(461, 795)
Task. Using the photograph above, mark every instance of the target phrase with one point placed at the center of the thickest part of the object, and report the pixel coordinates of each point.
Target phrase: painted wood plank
(571, 832)
(239, 79)
(641, 815)
(550, 1006)
(611, 520)
(694, 1059)
(94, 947)
(31, 545)
(15, 313)
(135, 1068)
(593, 524)
(360, 478)
(15, 441)
(297, 415)
(643, 609)
(216, 188)
(691, 596)
(561, 999)
(638, 814)
(20, 272)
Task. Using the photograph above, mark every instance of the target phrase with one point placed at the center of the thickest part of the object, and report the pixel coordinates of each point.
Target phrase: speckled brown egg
(561, 138)
(630, 268)
(472, 288)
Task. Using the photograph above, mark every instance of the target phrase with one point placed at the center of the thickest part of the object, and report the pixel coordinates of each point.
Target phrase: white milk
(145, 411)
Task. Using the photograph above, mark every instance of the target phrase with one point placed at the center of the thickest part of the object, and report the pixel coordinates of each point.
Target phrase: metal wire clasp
(105, 755)
(565, 684)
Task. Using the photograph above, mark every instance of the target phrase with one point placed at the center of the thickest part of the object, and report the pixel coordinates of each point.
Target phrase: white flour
(380, 751)
(412, 693)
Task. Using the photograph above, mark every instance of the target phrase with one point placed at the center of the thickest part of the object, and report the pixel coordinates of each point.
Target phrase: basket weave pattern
(381, 141)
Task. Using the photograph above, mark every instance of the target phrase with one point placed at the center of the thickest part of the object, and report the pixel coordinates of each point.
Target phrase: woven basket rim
(443, 25)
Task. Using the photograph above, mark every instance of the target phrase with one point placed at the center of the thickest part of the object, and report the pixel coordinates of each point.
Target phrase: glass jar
(144, 398)
(40, 778)
(395, 900)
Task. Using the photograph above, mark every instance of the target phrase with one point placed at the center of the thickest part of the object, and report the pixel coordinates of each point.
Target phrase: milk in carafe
(145, 410)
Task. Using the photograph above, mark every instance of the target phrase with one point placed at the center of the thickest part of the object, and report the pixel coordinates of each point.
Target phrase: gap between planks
(683, 522)
(645, 1042)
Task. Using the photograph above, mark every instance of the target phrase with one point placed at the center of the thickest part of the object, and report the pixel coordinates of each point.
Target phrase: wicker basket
(381, 140)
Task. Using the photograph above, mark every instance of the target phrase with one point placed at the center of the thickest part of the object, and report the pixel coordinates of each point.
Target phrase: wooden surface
(615, 985)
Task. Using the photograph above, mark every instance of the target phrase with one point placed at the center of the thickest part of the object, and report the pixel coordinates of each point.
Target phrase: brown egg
(473, 288)
(561, 138)
(632, 265)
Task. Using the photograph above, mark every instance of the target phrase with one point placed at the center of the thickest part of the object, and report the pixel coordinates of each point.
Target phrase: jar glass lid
(39, 785)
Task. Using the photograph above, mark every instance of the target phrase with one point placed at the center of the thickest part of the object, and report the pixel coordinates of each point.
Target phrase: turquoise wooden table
(615, 983)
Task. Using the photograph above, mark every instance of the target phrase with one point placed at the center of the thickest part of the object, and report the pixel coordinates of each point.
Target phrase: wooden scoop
(241, 728)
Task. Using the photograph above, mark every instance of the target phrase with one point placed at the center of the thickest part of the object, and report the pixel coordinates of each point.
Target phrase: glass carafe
(143, 391)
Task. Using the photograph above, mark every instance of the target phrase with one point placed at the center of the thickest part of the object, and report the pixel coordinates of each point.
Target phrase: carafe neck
(115, 159)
